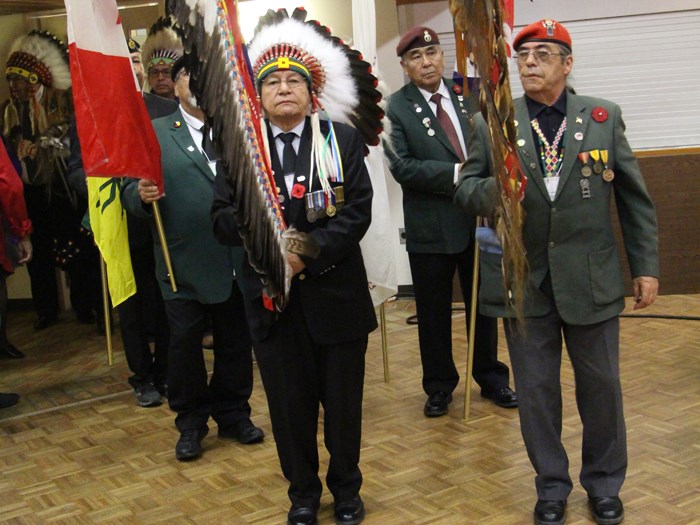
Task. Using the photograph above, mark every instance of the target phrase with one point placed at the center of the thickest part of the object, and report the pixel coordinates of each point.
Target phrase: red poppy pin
(457, 89)
(599, 114)
(298, 191)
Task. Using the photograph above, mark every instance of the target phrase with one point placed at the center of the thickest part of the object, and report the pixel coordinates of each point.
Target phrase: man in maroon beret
(430, 128)
(576, 157)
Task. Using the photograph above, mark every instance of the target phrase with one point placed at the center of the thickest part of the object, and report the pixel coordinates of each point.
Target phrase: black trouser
(42, 268)
(225, 397)
(142, 317)
(299, 375)
(432, 275)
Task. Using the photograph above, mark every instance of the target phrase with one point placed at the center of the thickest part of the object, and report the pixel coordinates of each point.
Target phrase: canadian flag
(114, 128)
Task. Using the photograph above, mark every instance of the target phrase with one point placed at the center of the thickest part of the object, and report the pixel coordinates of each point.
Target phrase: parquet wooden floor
(78, 450)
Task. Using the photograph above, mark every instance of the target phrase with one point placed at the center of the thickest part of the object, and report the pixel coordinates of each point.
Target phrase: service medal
(330, 211)
(608, 175)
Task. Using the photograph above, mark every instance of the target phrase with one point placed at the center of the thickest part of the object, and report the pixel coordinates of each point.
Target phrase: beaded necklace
(551, 162)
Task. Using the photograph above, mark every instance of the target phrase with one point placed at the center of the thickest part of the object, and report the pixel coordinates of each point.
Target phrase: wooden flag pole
(105, 306)
(164, 245)
(472, 330)
(385, 354)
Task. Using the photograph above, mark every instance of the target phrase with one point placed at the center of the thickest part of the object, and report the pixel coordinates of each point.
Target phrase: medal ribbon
(551, 161)
(604, 157)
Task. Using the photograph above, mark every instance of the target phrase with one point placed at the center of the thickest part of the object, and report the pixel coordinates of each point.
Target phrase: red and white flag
(115, 132)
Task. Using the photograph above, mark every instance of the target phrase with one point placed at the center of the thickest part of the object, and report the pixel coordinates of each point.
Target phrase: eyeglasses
(165, 73)
(275, 84)
(541, 55)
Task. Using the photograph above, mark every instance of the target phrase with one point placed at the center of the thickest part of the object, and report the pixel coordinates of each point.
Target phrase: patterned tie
(289, 160)
(447, 126)
(207, 144)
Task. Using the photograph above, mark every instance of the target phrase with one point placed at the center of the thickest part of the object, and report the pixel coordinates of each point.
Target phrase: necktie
(289, 156)
(207, 144)
(447, 126)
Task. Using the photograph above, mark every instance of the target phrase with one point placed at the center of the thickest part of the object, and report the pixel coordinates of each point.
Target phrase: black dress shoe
(302, 516)
(11, 352)
(502, 397)
(606, 511)
(436, 405)
(243, 431)
(8, 400)
(349, 512)
(44, 321)
(189, 446)
(550, 512)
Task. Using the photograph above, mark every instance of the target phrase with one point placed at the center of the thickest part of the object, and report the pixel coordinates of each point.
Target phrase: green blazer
(203, 268)
(569, 237)
(424, 164)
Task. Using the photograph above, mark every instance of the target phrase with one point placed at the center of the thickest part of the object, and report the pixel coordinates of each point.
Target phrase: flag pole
(385, 354)
(472, 330)
(164, 245)
(105, 306)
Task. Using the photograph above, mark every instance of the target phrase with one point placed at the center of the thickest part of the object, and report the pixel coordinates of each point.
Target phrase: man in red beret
(576, 157)
(430, 128)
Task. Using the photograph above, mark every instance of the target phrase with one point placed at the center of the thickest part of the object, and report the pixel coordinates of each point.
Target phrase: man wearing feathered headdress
(36, 113)
(159, 52)
(311, 353)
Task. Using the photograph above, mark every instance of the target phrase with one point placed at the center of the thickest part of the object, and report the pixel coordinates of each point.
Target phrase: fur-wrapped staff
(481, 21)
(225, 86)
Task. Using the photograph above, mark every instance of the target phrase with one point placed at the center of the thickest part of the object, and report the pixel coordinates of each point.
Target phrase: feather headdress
(41, 58)
(224, 84)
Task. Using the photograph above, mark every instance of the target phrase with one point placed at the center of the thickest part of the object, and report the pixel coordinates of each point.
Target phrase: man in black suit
(313, 352)
(430, 129)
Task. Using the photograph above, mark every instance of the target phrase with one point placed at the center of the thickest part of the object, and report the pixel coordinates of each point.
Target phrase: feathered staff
(481, 22)
(221, 81)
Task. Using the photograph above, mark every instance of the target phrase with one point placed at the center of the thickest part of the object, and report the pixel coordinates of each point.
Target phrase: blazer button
(551, 244)
(302, 276)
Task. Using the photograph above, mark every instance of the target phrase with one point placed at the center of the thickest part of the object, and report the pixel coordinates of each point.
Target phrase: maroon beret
(546, 30)
(417, 37)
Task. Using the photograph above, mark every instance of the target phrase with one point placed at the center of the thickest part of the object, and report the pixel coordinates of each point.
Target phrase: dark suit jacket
(203, 268)
(424, 166)
(571, 237)
(333, 289)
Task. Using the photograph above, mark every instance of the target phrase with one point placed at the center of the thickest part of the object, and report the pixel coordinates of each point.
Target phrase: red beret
(546, 30)
(417, 37)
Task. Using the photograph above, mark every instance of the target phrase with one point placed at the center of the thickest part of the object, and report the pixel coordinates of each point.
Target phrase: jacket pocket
(491, 290)
(605, 276)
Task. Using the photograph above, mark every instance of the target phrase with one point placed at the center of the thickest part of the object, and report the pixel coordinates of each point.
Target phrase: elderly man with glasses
(574, 152)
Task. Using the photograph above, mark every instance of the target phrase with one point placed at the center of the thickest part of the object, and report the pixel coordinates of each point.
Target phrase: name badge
(552, 184)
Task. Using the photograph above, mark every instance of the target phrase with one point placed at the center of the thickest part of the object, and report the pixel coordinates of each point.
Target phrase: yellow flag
(108, 223)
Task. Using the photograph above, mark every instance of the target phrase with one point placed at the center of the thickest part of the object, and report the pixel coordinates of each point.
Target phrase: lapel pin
(431, 132)
(190, 148)
(578, 136)
(521, 142)
(579, 120)
(177, 124)
(301, 178)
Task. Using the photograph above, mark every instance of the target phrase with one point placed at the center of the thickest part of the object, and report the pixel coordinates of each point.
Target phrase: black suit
(313, 352)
